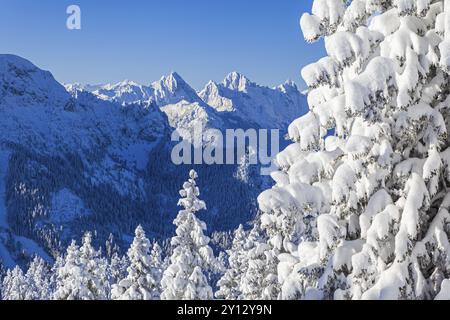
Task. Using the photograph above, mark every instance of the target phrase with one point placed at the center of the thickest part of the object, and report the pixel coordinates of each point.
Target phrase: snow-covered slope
(190, 117)
(56, 141)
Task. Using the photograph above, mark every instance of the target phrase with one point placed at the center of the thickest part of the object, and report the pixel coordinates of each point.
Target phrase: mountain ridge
(271, 108)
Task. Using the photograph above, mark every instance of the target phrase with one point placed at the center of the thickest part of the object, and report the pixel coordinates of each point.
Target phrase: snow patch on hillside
(66, 207)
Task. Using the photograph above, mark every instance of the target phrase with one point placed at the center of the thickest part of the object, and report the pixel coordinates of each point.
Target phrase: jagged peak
(176, 76)
(288, 85)
(127, 82)
(121, 84)
(173, 77)
(211, 86)
(237, 81)
(73, 86)
(170, 82)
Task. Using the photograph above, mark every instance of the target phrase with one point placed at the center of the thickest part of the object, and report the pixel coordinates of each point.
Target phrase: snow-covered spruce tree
(229, 284)
(82, 275)
(143, 280)
(117, 268)
(38, 278)
(95, 270)
(111, 247)
(117, 263)
(14, 286)
(157, 263)
(259, 268)
(361, 205)
(192, 257)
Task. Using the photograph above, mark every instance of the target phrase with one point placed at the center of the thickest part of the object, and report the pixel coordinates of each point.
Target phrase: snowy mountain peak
(211, 85)
(74, 87)
(172, 89)
(170, 82)
(213, 96)
(211, 88)
(288, 86)
(129, 83)
(122, 84)
(174, 76)
(124, 92)
(263, 106)
(23, 84)
(237, 81)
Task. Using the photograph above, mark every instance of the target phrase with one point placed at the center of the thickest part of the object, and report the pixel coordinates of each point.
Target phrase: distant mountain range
(237, 98)
(77, 157)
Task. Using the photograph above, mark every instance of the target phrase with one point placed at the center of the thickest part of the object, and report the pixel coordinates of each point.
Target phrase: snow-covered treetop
(190, 193)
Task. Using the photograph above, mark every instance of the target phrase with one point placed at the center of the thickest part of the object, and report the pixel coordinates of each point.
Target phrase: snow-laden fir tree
(192, 257)
(229, 284)
(259, 268)
(361, 205)
(117, 268)
(95, 270)
(245, 170)
(67, 275)
(82, 275)
(117, 263)
(14, 286)
(111, 247)
(157, 262)
(143, 279)
(38, 278)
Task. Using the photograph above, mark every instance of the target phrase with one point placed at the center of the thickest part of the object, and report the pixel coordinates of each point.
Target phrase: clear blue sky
(142, 40)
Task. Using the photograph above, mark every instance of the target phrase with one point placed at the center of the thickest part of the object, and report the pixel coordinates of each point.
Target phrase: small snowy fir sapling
(192, 257)
(142, 281)
(363, 212)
